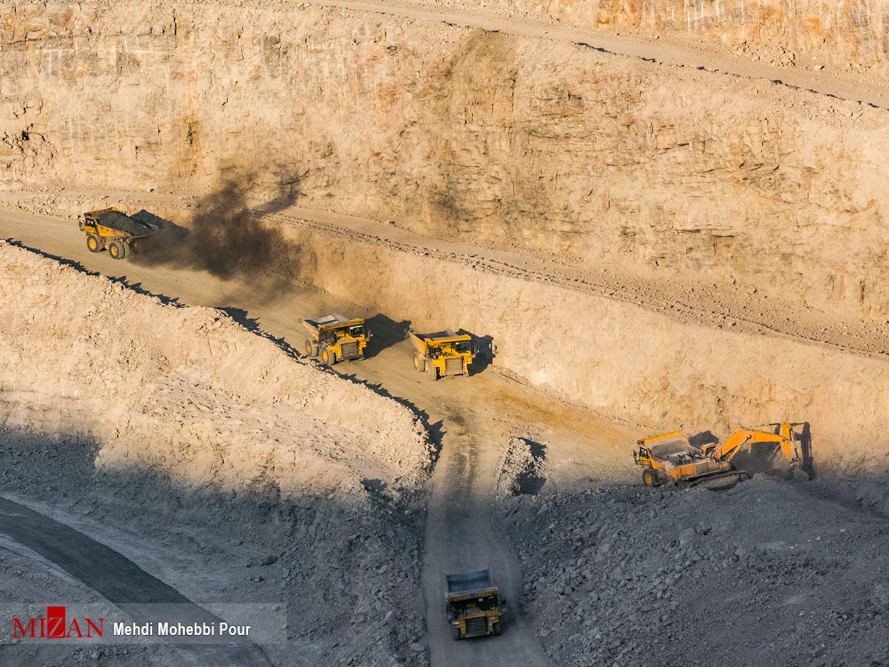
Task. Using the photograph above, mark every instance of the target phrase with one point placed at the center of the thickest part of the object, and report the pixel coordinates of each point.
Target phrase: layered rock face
(521, 143)
(856, 31)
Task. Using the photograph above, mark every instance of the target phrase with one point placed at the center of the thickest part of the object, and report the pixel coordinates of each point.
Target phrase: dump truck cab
(111, 229)
(443, 353)
(473, 605)
(336, 338)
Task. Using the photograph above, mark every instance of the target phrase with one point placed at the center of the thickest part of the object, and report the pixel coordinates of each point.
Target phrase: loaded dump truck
(474, 605)
(671, 458)
(443, 353)
(336, 338)
(114, 230)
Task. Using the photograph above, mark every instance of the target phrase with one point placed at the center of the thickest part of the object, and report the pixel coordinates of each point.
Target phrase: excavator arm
(739, 437)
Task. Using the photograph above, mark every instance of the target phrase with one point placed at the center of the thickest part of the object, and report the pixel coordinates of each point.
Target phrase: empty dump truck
(336, 338)
(114, 230)
(474, 605)
(443, 353)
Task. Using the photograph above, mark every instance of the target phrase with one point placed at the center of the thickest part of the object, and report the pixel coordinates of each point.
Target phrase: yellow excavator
(671, 458)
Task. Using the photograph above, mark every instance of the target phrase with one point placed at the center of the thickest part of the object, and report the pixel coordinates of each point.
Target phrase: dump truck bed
(470, 585)
(120, 222)
(447, 336)
(335, 321)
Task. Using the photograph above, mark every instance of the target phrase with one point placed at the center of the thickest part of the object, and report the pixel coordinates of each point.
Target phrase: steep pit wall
(851, 31)
(621, 359)
(464, 134)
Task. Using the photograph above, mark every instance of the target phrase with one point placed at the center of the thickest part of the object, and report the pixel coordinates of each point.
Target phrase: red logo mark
(55, 626)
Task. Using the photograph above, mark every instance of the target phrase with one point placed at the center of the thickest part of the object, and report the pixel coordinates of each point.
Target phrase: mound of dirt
(522, 470)
(763, 574)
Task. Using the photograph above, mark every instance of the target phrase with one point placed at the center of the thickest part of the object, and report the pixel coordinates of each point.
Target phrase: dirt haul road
(474, 416)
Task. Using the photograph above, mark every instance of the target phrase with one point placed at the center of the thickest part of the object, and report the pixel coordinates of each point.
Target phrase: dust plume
(225, 238)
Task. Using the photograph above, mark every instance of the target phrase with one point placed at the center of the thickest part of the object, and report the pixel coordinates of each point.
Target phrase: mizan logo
(55, 626)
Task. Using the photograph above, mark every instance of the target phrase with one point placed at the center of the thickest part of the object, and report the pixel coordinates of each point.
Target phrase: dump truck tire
(650, 477)
(94, 243)
(327, 356)
(455, 633)
(311, 348)
(117, 250)
(495, 629)
(419, 363)
(433, 372)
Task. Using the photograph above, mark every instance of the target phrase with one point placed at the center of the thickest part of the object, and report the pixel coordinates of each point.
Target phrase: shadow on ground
(484, 351)
(386, 332)
(320, 555)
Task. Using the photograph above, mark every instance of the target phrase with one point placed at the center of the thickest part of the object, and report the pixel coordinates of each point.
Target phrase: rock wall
(625, 361)
(456, 133)
(856, 31)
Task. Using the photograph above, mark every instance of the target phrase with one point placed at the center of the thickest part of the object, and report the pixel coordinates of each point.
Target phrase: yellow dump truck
(336, 338)
(114, 230)
(443, 353)
(671, 458)
(474, 605)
